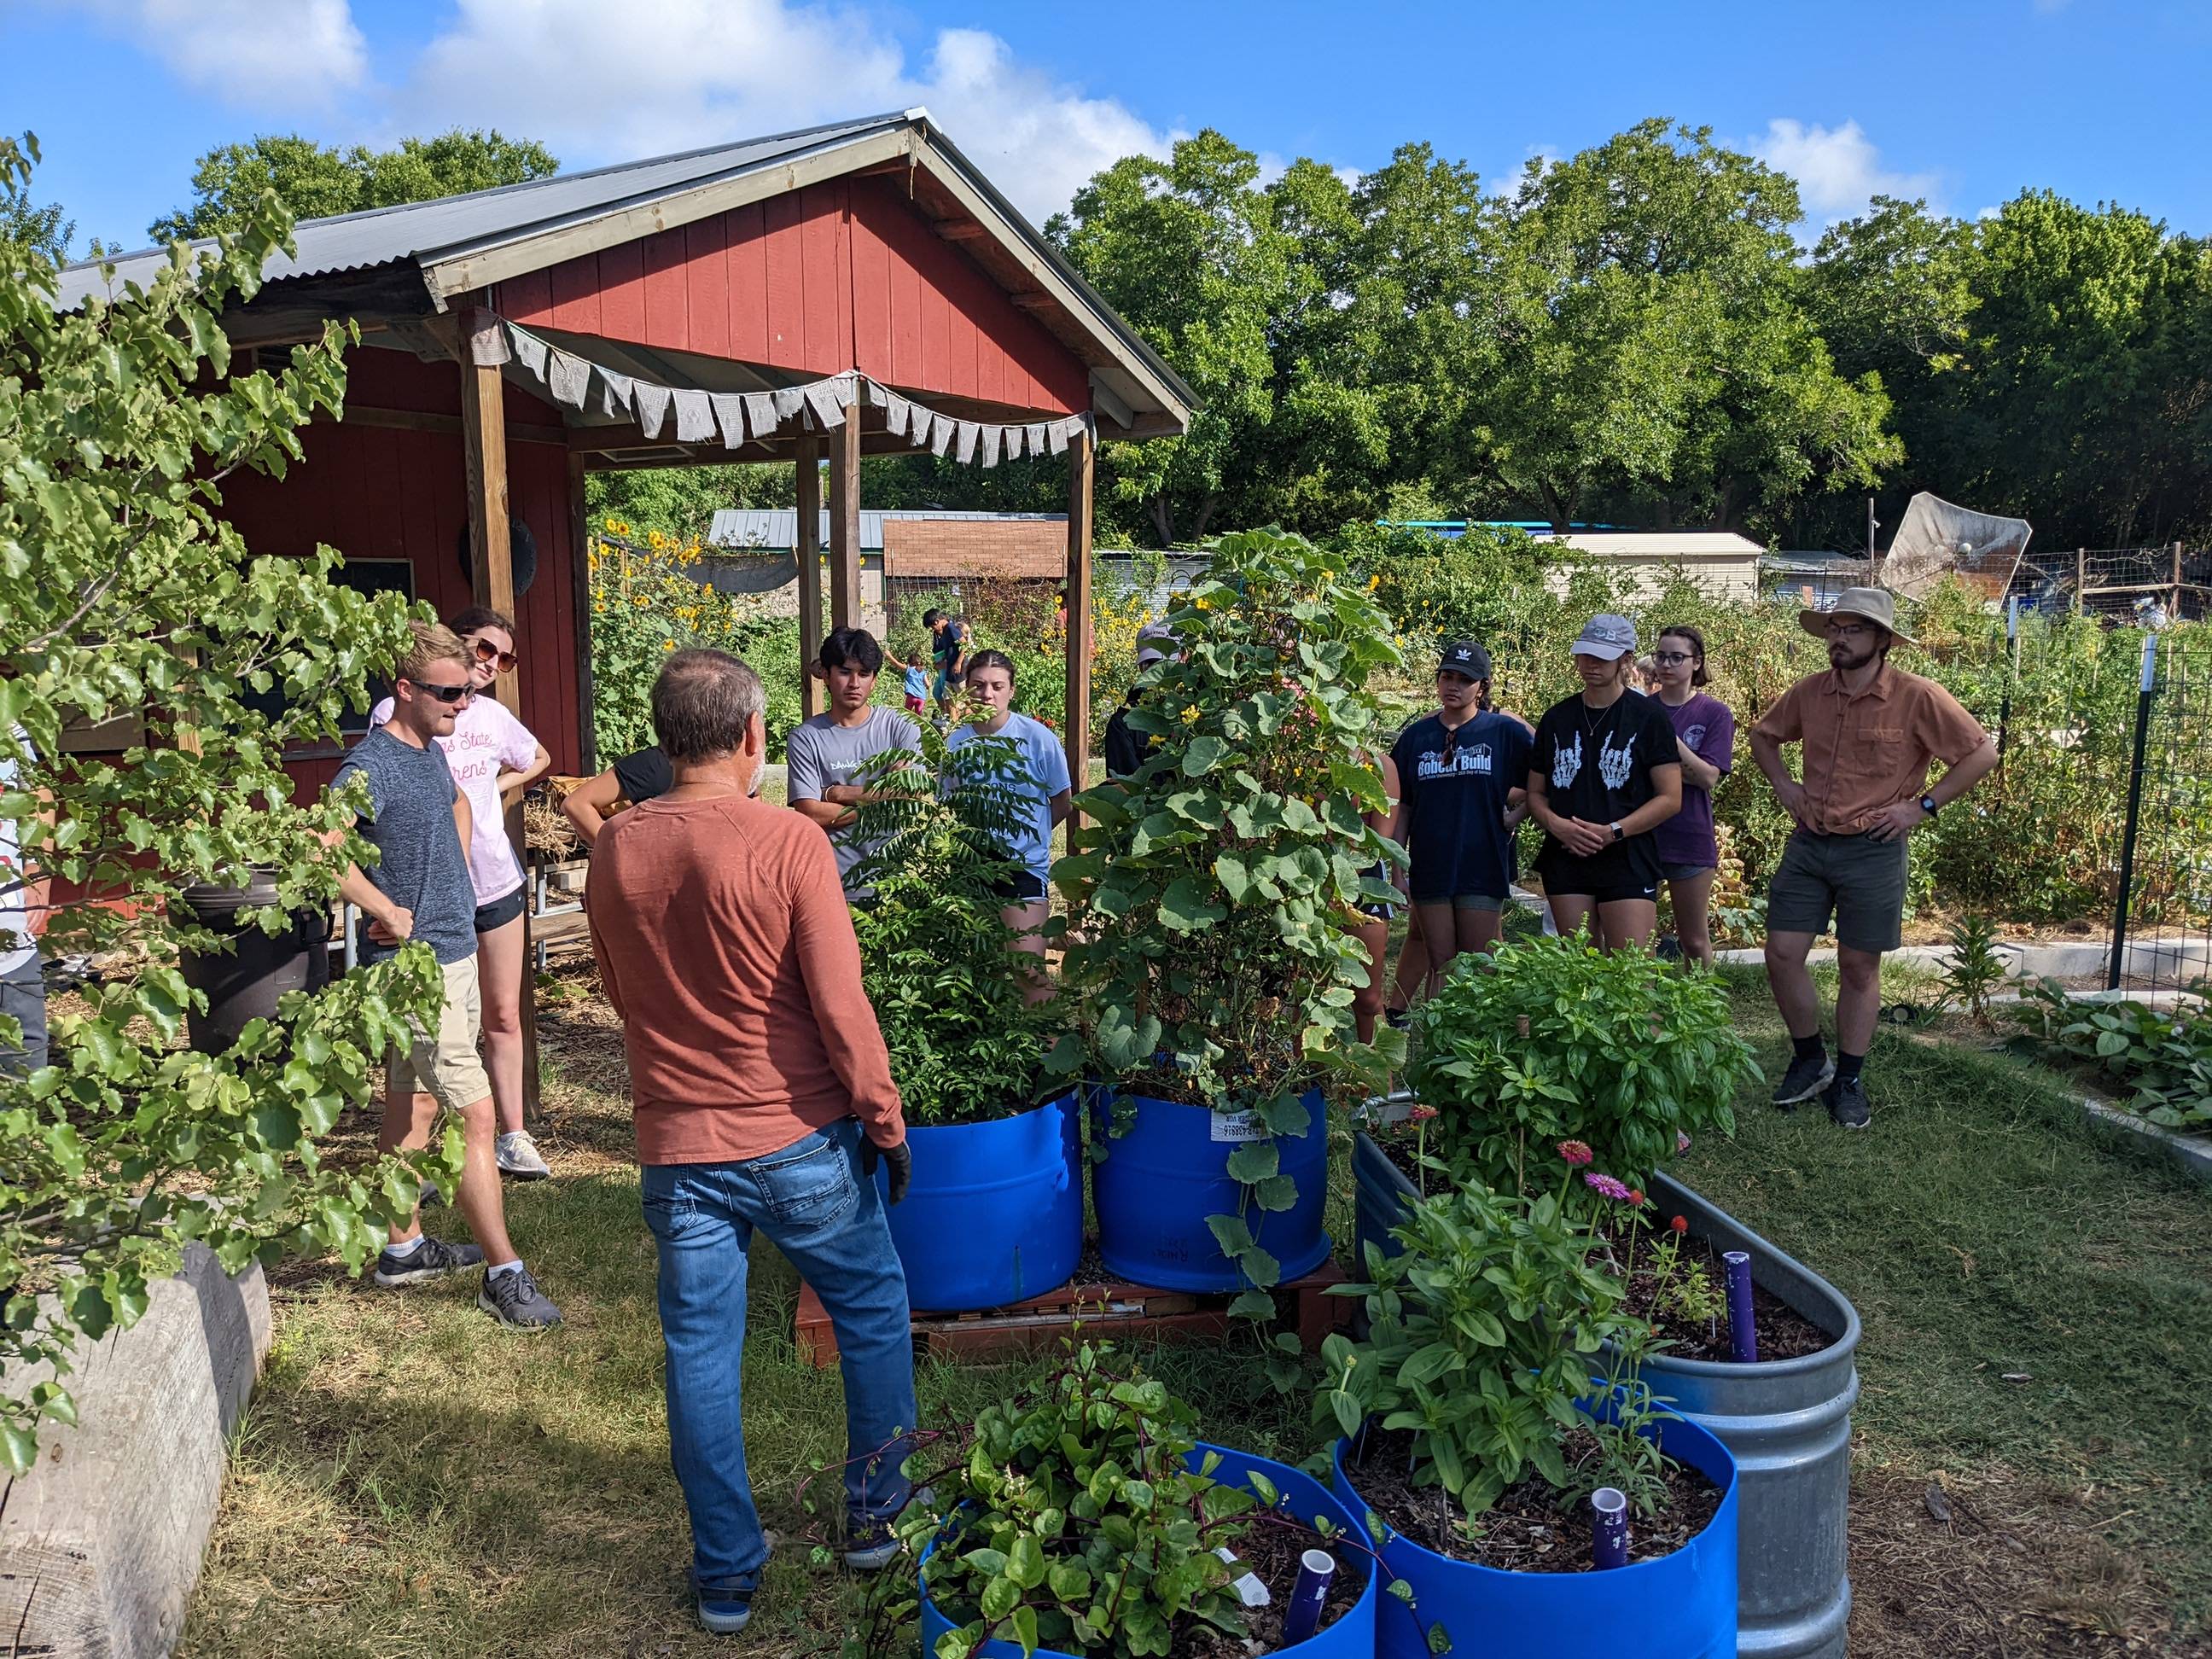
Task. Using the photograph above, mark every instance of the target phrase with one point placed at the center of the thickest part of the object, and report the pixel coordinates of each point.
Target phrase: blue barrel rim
(1368, 1556)
(1694, 1435)
(1069, 1095)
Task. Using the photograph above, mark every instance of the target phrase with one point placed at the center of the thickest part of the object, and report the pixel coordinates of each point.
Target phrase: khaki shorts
(1858, 880)
(444, 1063)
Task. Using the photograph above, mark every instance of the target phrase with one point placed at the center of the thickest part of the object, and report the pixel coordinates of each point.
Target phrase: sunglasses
(504, 661)
(1670, 656)
(446, 694)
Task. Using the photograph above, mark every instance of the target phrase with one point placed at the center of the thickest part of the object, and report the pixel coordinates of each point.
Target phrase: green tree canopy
(315, 181)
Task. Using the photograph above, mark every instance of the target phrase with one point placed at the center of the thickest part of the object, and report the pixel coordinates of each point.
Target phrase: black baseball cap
(1465, 657)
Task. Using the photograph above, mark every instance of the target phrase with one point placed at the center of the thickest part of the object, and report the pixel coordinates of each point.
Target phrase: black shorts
(1023, 887)
(496, 914)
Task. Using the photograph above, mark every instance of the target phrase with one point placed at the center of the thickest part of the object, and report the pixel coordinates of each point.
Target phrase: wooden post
(491, 580)
(2081, 578)
(808, 551)
(2173, 610)
(845, 521)
(1078, 735)
(580, 567)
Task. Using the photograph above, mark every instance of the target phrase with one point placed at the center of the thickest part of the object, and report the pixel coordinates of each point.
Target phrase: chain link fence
(2170, 582)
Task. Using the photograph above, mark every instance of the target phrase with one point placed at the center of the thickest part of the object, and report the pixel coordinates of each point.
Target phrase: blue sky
(1965, 103)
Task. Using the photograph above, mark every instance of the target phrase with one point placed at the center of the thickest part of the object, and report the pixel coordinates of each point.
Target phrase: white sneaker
(518, 1156)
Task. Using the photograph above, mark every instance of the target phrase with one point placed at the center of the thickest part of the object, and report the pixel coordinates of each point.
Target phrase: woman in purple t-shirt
(1704, 736)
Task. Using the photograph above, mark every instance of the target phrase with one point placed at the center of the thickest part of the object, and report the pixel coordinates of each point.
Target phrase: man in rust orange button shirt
(1869, 733)
(763, 1100)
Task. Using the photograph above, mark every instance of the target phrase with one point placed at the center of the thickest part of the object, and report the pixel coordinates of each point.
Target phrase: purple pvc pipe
(1609, 1534)
(1743, 1335)
(1302, 1618)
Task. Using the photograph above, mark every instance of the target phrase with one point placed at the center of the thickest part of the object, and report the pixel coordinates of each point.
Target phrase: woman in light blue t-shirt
(991, 682)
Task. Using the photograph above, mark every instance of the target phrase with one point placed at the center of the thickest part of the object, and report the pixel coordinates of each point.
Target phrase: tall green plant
(938, 962)
(1217, 961)
(1551, 1040)
(124, 593)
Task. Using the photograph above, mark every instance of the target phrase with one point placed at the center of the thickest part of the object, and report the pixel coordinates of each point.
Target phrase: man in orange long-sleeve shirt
(763, 1099)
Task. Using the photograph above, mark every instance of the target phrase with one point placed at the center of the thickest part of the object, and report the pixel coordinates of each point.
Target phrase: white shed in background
(1722, 564)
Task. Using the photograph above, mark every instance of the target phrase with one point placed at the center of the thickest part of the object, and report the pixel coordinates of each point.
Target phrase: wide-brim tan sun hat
(1873, 605)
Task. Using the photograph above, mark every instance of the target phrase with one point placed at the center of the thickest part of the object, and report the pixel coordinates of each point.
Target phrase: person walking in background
(1705, 742)
(1869, 733)
(762, 1101)
(916, 684)
(949, 651)
(24, 909)
(493, 759)
(1605, 775)
(1127, 749)
(1460, 795)
(1050, 791)
(420, 823)
(824, 752)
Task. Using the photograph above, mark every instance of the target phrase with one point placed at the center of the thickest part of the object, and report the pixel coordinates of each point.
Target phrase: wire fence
(2162, 913)
(2168, 582)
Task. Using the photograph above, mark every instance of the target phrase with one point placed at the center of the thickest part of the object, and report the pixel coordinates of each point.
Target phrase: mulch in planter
(1784, 1332)
(1526, 1529)
(1270, 1552)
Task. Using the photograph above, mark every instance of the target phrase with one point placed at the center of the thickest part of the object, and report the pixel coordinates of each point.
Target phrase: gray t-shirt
(821, 753)
(411, 822)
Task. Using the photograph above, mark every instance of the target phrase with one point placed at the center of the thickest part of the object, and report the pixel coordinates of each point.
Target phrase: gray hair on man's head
(701, 704)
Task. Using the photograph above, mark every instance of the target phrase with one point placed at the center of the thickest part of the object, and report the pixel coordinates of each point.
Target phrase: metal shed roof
(470, 241)
(777, 529)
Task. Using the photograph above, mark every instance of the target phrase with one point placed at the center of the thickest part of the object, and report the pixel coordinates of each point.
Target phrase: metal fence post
(2011, 673)
(2143, 698)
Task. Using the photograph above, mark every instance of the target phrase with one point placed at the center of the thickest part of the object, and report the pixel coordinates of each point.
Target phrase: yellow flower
(668, 645)
(1373, 582)
(1203, 604)
(1190, 716)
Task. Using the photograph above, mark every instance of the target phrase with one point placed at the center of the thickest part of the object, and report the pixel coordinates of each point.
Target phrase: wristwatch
(1617, 835)
(1928, 805)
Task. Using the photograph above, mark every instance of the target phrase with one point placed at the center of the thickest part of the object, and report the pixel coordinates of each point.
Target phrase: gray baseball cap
(1607, 637)
(1153, 643)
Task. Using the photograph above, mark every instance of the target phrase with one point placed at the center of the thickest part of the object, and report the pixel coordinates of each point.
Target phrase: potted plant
(994, 1213)
(1475, 1436)
(1214, 957)
(1086, 1519)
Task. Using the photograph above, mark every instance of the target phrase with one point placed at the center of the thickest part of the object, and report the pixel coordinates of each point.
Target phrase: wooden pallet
(1105, 1308)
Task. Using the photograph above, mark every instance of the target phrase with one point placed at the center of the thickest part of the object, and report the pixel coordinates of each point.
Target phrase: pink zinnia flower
(1421, 1114)
(1681, 1141)
(1575, 1152)
(1606, 1186)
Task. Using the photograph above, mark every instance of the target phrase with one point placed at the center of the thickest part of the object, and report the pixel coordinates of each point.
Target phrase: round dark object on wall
(521, 555)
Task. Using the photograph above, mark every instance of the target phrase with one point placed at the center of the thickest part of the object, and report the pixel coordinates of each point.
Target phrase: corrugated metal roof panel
(739, 527)
(352, 242)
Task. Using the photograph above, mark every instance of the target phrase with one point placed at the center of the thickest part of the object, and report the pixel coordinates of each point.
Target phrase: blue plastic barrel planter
(1351, 1636)
(995, 1211)
(1677, 1606)
(1169, 1172)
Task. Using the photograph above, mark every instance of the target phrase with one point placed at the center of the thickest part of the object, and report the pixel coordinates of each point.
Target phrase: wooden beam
(1078, 735)
(845, 522)
(580, 576)
(1033, 301)
(962, 230)
(417, 420)
(1111, 403)
(807, 545)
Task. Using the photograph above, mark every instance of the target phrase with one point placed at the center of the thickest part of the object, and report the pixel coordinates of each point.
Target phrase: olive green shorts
(1857, 880)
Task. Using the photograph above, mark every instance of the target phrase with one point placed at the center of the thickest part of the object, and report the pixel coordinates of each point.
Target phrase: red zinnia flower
(1576, 1152)
(1680, 1223)
(1635, 1196)
(1421, 1114)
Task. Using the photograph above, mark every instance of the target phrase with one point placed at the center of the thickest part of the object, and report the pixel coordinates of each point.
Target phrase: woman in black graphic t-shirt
(1604, 775)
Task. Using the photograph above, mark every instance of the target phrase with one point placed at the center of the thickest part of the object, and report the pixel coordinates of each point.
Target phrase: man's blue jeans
(811, 1201)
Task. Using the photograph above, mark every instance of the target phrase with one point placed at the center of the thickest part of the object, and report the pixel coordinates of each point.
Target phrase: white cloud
(244, 52)
(1837, 168)
(604, 83)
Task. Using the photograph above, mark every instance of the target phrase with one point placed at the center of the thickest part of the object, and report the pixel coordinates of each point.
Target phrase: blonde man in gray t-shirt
(824, 752)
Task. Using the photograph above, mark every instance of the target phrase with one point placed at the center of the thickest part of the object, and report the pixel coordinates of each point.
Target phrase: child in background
(915, 681)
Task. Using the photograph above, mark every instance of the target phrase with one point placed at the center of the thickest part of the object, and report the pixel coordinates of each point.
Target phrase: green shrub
(2164, 1056)
(1551, 1040)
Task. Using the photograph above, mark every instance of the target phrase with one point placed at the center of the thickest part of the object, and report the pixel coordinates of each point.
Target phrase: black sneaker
(431, 1259)
(514, 1298)
(1847, 1104)
(1804, 1079)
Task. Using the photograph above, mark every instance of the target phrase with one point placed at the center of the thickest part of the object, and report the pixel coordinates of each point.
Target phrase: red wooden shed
(850, 290)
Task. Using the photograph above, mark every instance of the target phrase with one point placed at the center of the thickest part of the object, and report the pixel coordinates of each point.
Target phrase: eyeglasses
(1671, 656)
(446, 694)
(503, 660)
(1848, 630)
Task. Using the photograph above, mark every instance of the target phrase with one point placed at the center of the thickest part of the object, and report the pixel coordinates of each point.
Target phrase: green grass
(412, 1478)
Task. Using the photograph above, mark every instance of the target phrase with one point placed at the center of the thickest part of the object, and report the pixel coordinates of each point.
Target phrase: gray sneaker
(518, 1156)
(432, 1259)
(514, 1298)
(1804, 1079)
(1847, 1104)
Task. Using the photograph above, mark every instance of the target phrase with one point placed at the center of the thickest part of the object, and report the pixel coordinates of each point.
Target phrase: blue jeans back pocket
(808, 1183)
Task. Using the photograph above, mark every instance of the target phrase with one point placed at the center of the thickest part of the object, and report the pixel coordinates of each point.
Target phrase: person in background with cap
(1869, 732)
(1127, 749)
(1459, 797)
(1605, 773)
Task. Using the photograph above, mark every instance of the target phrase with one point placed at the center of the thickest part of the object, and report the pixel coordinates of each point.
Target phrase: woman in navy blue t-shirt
(1459, 774)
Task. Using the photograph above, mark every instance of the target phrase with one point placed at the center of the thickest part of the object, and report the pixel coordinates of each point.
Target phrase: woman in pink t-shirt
(493, 759)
